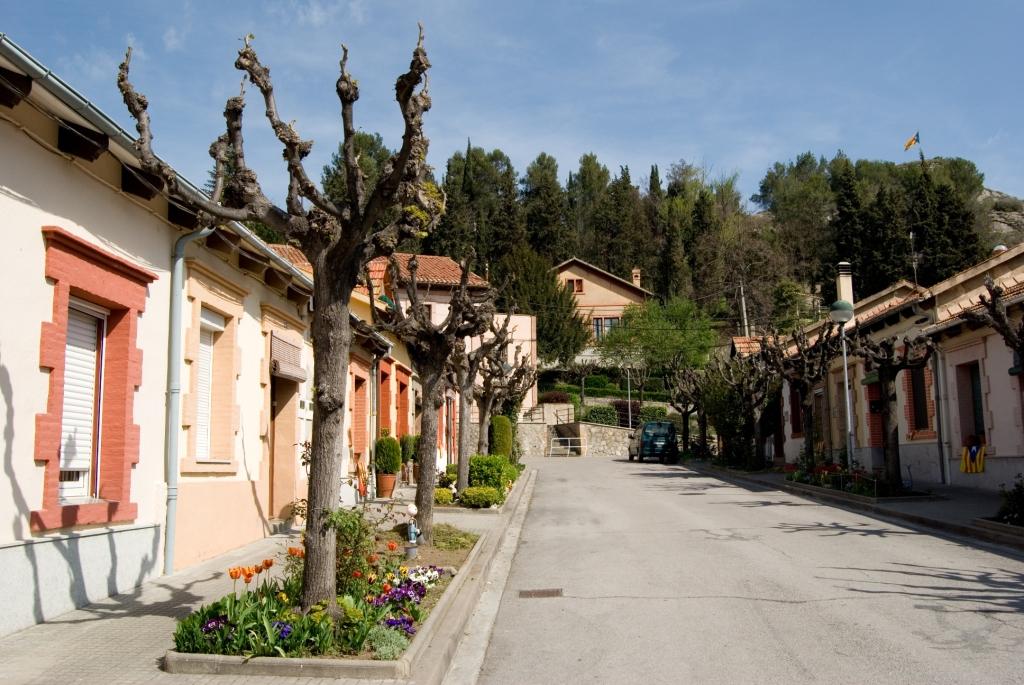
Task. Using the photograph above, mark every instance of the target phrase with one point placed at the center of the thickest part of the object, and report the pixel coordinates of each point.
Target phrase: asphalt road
(668, 576)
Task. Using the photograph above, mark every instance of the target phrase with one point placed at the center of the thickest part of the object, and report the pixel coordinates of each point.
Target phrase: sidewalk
(121, 639)
(954, 512)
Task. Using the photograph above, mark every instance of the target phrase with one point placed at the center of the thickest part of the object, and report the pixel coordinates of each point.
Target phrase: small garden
(1011, 511)
(381, 598)
(491, 478)
(833, 476)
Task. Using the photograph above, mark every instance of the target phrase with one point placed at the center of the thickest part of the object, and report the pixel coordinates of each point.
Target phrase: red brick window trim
(78, 269)
(926, 430)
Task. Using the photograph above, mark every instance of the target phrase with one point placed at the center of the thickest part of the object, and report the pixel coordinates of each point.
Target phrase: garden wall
(603, 441)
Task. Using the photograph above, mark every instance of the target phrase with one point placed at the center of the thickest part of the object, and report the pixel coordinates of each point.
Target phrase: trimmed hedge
(501, 435)
(387, 455)
(596, 381)
(443, 496)
(602, 414)
(493, 471)
(553, 397)
(409, 443)
(479, 497)
(653, 413)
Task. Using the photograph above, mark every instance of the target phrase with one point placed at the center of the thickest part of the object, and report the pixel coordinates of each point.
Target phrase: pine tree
(618, 227)
(585, 188)
(531, 286)
(545, 210)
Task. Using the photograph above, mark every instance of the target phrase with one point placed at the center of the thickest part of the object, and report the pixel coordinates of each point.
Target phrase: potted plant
(408, 455)
(388, 460)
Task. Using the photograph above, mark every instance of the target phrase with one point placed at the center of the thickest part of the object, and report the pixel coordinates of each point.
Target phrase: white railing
(566, 447)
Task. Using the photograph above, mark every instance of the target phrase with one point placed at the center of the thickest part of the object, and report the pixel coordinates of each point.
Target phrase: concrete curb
(469, 658)
(973, 530)
(428, 657)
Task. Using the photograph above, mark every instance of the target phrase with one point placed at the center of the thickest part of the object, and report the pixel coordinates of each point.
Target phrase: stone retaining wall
(603, 441)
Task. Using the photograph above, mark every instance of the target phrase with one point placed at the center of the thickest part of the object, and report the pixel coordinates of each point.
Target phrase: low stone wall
(533, 438)
(603, 441)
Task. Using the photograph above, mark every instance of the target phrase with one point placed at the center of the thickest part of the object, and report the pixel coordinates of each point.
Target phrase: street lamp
(841, 312)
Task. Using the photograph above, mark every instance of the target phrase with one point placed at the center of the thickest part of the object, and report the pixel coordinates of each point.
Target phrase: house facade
(970, 390)
(155, 379)
(600, 296)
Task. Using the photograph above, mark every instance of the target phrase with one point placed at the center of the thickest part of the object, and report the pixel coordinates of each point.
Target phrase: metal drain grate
(534, 594)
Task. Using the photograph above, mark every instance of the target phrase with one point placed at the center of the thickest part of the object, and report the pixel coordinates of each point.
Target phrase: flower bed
(381, 602)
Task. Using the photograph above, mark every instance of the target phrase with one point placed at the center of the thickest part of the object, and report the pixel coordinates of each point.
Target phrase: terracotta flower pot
(416, 473)
(385, 484)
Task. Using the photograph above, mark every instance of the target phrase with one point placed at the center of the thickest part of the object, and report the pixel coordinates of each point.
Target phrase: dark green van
(655, 439)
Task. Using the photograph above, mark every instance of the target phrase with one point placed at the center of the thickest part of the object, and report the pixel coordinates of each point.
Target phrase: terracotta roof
(1010, 292)
(886, 308)
(599, 270)
(432, 270)
(293, 255)
(745, 346)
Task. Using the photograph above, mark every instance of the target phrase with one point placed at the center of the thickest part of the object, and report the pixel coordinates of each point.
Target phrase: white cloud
(174, 38)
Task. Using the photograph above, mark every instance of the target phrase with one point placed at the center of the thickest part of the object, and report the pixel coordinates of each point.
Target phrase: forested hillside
(695, 237)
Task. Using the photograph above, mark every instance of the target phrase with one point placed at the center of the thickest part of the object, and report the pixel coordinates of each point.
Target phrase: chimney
(844, 283)
(636, 276)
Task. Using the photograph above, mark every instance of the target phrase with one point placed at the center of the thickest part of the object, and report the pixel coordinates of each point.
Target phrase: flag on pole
(912, 141)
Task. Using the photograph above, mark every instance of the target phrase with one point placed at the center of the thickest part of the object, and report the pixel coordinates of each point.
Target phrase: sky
(730, 85)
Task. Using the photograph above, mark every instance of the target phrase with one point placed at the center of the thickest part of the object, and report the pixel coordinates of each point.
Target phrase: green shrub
(1012, 509)
(566, 387)
(409, 443)
(442, 496)
(479, 497)
(650, 412)
(1007, 204)
(355, 543)
(596, 381)
(493, 471)
(602, 414)
(387, 455)
(387, 643)
(501, 435)
(574, 399)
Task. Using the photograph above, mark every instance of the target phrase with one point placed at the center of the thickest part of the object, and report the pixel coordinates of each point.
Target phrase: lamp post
(841, 312)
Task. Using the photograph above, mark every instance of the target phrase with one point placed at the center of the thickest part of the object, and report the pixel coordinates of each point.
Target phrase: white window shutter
(79, 415)
(204, 390)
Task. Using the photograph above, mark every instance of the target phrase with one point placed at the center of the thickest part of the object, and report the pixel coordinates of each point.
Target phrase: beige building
(971, 387)
(600, 296)
(155, 380)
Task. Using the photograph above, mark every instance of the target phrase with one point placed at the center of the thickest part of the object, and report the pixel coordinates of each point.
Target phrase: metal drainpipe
(174, 358)
(371, 446)
(941, 397)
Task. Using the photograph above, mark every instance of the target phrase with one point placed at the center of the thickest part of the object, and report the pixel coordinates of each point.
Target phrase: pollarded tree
(804, 364)
(994, 314)
(338, 239)
(502, 384)
(464, 369)
(752, 381)
(888, 357)
(431, 346)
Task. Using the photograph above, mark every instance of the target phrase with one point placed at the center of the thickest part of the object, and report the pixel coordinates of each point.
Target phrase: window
(211, 325)
(796, 418)
(919, 400)
(87, 439)
(611, 323)
(598, 329)
(575, 284)
(80, 417)
(970, 401)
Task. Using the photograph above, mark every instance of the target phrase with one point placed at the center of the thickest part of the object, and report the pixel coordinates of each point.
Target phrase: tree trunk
(759, 458)
(807, 421)
(891, 431)
(462, 482)
(332, 338)
(426, 456)
(702, 431)
(483, 440)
